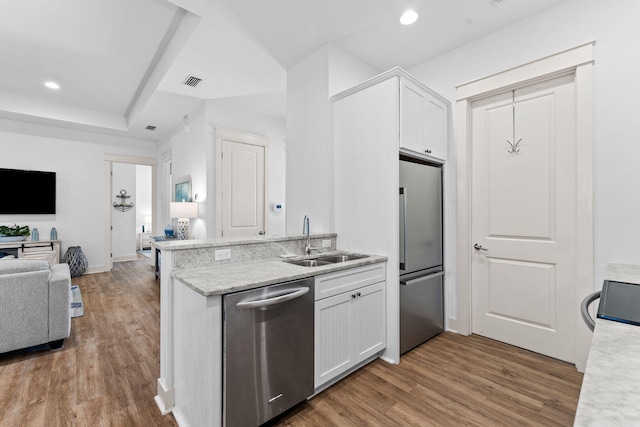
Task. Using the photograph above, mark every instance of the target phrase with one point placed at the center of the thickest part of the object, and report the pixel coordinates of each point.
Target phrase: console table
(39, 249)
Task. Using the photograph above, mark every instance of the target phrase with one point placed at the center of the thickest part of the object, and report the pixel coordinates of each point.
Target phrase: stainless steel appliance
(268, 351)
(421, 271)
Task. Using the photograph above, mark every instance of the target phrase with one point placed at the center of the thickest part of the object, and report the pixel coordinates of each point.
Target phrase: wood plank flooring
(106, 375)
(451, 380)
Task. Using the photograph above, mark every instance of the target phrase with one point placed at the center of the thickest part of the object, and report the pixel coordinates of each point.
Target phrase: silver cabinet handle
(272, 301)
(479, 247)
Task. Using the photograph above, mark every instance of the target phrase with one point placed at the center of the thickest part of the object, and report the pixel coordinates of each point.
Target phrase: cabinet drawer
(346, 280)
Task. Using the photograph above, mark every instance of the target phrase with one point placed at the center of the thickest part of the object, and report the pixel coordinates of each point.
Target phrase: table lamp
(183, 211)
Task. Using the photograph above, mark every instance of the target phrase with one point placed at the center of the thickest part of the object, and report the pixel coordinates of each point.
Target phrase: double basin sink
(325, 260)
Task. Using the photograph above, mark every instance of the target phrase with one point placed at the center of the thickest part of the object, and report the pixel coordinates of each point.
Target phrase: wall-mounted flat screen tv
(27, 192)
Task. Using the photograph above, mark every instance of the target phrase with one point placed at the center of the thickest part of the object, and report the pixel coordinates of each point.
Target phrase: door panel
(243, 183)
(524, 214)
(522, 291)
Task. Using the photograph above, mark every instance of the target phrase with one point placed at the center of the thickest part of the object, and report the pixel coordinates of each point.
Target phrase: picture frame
(182, 190)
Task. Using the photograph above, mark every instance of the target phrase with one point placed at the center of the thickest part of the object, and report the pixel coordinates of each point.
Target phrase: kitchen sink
(309, 262)
(341, 258)
(325, 260)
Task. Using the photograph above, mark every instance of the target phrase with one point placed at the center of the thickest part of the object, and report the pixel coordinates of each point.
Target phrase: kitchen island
(611, 385)
(195, 277)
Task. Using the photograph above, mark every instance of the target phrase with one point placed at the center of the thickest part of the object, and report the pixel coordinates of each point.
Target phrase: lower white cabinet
(350, 327)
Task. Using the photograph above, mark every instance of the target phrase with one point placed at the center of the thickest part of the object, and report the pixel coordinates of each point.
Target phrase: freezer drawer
(421, 309)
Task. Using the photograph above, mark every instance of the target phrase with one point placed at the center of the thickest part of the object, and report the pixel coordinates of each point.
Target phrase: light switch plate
(326, 243)
(222, 254)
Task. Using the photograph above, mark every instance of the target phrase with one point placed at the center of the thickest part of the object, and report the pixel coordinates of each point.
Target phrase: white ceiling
(122, 63)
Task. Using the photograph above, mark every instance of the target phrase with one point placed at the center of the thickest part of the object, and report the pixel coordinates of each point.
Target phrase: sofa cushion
(11, 266)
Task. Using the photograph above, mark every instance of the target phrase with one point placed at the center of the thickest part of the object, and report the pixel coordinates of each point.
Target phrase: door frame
(578, 61)
(243, 138)
(109, 160)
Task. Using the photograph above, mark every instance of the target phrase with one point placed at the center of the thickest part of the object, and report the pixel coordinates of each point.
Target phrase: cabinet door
(333, 336)
(413, 116)
(370, 321)
(436, 127)
(423, 119)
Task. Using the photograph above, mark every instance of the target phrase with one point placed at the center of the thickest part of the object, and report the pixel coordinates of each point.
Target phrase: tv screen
(27, 192)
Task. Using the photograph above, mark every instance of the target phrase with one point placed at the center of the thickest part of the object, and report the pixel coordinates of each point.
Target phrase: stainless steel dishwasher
(268, 351)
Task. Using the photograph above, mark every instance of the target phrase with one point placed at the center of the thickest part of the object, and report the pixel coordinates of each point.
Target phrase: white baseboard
(125, 258)
(165, 399)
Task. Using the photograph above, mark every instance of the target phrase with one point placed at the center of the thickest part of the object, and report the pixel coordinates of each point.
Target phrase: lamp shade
(183, 210)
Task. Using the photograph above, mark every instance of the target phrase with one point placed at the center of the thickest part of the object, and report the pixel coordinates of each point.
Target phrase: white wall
(275, 131)
(310, 84)
(190, 160)
(193, 155)
(613, 25)
(143, 198)
(82, 188)
(124, 233)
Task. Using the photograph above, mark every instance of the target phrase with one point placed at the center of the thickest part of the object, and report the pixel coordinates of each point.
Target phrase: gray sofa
(34, 304)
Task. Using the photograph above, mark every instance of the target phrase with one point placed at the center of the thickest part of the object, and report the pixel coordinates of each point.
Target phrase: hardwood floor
(451, 380)
(106, 375)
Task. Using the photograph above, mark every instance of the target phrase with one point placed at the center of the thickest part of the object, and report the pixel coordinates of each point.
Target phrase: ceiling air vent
(150, 127)
(192, 81)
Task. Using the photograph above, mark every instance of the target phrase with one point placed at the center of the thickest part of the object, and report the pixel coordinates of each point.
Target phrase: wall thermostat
(277, 207)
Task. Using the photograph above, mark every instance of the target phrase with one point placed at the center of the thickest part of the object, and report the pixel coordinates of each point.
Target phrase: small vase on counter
(54, 234)
(35, 235)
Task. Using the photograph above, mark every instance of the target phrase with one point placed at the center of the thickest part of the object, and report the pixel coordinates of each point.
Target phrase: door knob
(479, 247)
(261, 232)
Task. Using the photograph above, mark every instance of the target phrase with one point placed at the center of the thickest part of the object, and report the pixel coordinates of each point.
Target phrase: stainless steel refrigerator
(421, 271)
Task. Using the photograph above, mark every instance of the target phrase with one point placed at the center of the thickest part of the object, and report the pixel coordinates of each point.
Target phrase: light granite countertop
(240, 276)
(610, 393)
(175, 244)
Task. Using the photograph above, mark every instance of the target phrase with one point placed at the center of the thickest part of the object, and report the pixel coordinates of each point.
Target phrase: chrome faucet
(306, 230)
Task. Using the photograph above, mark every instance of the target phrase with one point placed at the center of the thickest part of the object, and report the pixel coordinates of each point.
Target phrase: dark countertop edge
(305, 272)
(173, 245)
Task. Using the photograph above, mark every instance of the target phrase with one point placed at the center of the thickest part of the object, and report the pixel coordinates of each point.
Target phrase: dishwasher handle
(272, 301)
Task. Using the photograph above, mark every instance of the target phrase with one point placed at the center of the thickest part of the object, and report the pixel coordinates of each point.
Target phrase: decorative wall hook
(514, 145)
(122, 207)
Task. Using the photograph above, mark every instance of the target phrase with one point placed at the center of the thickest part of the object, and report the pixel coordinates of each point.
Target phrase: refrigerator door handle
(421, 278)
(403, 229)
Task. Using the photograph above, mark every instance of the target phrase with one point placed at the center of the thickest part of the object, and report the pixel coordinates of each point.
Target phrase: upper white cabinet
(423, 120)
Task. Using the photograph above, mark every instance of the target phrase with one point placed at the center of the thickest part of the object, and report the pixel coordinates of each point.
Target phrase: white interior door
(524, 216)
(243, 189)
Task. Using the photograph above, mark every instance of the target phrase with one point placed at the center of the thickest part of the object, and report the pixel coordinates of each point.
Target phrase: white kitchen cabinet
(373, 123)
(350, 327)
(423, 121)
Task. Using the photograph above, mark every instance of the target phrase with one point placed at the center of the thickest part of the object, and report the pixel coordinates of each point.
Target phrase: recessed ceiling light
(52, 85)
(409, 17)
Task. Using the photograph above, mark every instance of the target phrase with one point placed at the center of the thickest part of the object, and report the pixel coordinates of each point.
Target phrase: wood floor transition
(106, 375)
